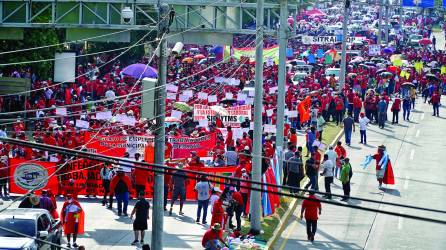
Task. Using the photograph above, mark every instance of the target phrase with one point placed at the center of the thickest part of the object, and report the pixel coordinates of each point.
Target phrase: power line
(139, 165)
(184, 31)
(95, 37)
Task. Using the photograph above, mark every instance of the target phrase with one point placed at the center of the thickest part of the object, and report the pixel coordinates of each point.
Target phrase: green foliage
(32, 38)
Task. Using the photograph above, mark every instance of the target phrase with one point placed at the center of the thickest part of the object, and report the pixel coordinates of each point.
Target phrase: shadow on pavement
(330, 243)
(394, 192)
(115, 237)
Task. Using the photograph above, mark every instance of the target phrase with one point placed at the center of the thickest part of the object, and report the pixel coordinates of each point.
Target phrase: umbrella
(432, 77)
(407, 84)
(388, 50)
(386, 74)
(220, 110)
(358, 43)
(425, 41)
(182, 106)
(435, 70)
(172, 119)
(199, 57)
(370, 63)
(379, 71)
(139, 70)
(204, 60)
(351, 74)
(228, 101)
(187, 60)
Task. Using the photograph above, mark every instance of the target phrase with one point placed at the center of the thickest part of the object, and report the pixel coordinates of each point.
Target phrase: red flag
(304, 109)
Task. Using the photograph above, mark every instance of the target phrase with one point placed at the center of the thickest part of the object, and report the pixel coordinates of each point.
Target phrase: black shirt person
(141, 210)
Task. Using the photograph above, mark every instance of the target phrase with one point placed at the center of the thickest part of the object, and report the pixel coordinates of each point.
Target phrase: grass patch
(270, 223)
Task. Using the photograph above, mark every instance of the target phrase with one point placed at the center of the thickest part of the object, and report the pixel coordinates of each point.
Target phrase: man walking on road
(346, 175)
(311, 207)
(327, 172)
(363, 121)
(406, 108)
(349, 126)
(311, 171)
(435, 100)
(141, 210)
(382, 110)
(396, 107)
(179, 189)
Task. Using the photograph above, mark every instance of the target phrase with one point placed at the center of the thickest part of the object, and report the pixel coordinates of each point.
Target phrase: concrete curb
(283, 221)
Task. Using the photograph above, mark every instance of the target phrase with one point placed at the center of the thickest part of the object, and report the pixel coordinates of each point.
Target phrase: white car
(35, 223)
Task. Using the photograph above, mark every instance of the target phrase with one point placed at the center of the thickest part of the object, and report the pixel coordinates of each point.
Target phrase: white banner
(329, 39)
(234, 117)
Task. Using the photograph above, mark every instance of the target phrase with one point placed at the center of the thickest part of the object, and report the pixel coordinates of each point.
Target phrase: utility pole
(281, 83)
(380, 20)
(258, 108)
(160, 96)
(386, 30)
(344, 44)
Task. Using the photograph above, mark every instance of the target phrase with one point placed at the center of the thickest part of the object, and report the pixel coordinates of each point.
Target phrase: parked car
(36, 223)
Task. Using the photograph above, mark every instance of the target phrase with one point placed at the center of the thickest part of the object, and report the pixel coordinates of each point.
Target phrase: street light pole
(258, 108)
(160, 97)
(281, 83)
(344, 44)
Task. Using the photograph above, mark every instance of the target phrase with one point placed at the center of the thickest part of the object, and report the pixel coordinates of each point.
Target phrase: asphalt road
(104, 229)
(416, 149)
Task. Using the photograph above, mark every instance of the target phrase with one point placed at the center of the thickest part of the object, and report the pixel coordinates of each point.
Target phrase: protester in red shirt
(239, 204)
(311, 208)
(396, 107)
(357, 106)
(342, 154)
(229, 138)
(435, 101)
(211, 239)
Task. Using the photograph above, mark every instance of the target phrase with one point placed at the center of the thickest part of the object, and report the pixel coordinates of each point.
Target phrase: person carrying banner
(72, 216)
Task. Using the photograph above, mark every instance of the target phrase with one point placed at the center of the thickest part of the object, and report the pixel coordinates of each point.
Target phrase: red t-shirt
(209, 235)
(238, 198)
(311, 208)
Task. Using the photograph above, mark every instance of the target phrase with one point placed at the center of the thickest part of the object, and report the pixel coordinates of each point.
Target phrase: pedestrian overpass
(208, 20)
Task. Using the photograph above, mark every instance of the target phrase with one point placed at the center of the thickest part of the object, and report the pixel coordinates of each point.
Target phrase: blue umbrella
(139, 70)
(388, 50)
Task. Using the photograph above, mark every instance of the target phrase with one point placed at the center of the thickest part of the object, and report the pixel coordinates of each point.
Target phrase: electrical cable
(83, 146)
(84, 55)
(184, 31)
(148, 167)
(90, 38)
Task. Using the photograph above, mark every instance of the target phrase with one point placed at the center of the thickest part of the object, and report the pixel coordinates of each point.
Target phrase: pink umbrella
(425, 41)
(199, 57)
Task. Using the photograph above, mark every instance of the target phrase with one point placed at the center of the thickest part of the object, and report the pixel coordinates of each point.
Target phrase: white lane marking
(400, 222)
(418, 133)
(412, 153)
(406, 182)
(422, 116)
